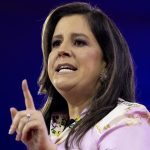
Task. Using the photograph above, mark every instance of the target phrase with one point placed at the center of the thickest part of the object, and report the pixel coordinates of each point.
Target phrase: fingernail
(10, 131)
(17, 138)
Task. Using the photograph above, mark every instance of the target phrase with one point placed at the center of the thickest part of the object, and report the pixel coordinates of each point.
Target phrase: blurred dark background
(20, 50)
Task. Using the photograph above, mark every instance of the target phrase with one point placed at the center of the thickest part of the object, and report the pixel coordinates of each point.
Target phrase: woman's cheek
(49, 68)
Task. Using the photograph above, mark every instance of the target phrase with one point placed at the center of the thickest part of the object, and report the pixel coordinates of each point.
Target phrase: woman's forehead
(75, 23)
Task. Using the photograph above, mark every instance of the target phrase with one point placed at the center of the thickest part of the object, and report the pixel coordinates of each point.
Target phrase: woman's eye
(80, 43)
(56, 43)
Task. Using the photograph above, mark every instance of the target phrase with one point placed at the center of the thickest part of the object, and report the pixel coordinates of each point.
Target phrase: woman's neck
(77, 101)
(75, 110)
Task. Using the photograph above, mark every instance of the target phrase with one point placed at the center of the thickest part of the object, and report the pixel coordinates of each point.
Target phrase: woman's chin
(63, 86)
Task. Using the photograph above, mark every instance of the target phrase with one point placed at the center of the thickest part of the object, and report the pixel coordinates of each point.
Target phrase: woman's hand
(29, 124)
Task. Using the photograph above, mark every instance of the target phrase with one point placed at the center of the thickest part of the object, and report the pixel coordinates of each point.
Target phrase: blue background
(21, 57)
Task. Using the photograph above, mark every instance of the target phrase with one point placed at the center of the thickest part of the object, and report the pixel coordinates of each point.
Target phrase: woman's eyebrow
(57, 36)
(74, 35)
(79, 35)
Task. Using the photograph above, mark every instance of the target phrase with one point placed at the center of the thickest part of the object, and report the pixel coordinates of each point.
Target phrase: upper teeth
(66, 68)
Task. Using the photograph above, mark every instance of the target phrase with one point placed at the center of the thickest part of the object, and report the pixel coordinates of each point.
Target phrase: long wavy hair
(119, 68)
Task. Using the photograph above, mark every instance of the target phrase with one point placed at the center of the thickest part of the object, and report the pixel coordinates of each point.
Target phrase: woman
(88, 78)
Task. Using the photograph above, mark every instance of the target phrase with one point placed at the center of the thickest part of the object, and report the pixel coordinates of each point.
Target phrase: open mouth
(65, 68)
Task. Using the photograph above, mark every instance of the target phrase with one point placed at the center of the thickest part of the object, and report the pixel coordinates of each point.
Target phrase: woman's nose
(64, 51)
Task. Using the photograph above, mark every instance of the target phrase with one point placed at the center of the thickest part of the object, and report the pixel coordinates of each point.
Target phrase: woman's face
(76, 59)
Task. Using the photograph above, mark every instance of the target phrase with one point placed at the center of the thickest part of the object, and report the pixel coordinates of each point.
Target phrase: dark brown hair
(119, 68)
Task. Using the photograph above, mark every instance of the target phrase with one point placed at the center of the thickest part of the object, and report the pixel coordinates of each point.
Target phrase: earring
(103, 76)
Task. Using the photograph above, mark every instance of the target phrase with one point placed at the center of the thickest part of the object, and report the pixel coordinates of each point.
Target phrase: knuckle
(23, 120)
(19, 114)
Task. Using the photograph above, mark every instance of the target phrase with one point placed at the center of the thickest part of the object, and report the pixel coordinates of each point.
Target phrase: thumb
(13, 112)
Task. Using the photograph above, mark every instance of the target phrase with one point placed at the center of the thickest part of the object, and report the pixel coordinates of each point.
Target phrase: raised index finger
(27, 95)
